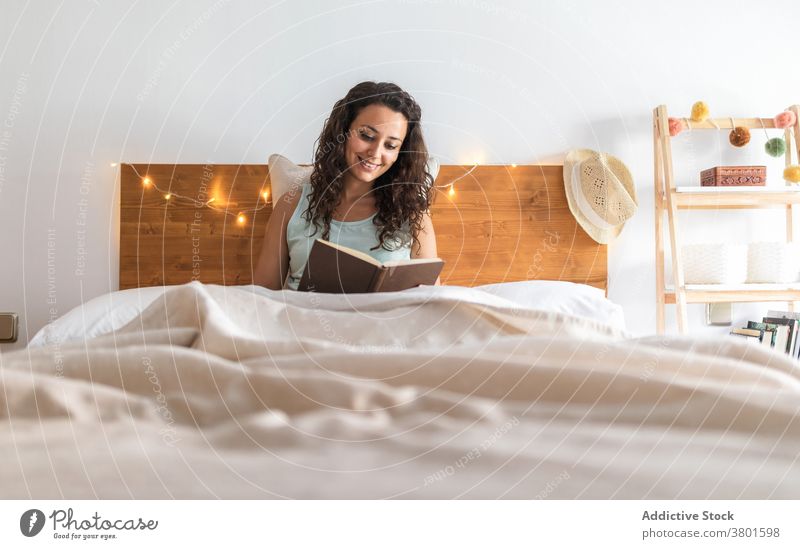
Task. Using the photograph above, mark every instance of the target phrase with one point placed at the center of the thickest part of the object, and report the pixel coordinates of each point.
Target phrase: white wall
(85, 84)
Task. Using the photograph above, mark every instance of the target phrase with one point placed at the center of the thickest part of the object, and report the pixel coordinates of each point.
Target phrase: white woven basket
(777, 262)
(714, 263)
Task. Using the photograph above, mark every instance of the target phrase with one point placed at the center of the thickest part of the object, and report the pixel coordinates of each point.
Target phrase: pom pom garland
(775, 147)
(740, 136)
(785, 119)
(699, 112)
(792, 173)
(676, 126)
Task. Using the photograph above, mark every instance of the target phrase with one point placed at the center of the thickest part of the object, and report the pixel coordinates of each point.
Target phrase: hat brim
(573, 158)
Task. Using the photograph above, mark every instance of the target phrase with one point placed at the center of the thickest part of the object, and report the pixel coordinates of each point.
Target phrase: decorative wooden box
(732, 176)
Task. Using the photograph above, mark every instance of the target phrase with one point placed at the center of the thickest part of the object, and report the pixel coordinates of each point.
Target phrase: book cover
(790, 324)
(766, 327)
(768, 338)
(750, 336)
(795, 351)
(332, 268)
(747, 332)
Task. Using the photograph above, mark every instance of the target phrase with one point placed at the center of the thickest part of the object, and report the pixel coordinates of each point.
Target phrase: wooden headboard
(501, 224)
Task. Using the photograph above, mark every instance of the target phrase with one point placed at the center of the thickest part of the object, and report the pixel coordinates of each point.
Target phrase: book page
(398, 262)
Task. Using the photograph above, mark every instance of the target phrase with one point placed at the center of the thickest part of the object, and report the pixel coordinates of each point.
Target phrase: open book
(336, 269)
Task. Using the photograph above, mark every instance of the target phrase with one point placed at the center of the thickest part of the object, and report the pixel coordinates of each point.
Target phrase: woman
(370, 188)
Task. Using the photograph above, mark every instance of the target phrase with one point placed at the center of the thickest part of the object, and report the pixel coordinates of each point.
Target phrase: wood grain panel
(502, 224)
(507, 223)
(177, 240)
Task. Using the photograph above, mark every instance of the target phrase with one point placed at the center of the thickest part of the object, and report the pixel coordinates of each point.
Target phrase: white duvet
(436, 392)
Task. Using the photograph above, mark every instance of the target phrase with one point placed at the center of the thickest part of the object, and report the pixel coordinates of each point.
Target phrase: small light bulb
(265, 194)
(452, 191)
(241, 219)
(113, 164)
(167, 196)
(147, 181)
(513, 165)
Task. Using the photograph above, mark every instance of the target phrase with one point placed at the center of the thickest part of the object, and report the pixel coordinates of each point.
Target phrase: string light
(241, 218)
(451, 191)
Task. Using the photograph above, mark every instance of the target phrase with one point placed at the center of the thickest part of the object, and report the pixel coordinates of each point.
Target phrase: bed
(516, 379)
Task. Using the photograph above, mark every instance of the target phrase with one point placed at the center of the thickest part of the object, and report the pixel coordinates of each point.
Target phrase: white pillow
(285, 174)
(560, 296)
(98, 316)
(433, 166)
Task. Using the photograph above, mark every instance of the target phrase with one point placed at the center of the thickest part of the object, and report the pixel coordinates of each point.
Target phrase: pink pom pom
(785, 119)
(676, 126)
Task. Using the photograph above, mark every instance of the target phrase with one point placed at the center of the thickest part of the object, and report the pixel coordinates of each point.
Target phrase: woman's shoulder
(288, 201)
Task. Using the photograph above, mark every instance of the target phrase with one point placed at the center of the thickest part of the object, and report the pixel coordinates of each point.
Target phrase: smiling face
(373, 143)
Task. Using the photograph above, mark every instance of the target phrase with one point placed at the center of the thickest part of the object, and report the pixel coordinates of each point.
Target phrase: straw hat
(600, 192)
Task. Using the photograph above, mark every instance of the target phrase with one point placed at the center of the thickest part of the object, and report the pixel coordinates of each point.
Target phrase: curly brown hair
(403, 194)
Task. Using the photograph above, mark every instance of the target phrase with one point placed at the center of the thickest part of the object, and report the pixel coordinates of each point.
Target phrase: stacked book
(779, 330)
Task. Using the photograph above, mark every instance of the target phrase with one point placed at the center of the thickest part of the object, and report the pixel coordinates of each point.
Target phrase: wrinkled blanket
(431, 393)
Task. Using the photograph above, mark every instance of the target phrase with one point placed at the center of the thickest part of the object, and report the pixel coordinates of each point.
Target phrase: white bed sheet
(108, 312)
(430, 394)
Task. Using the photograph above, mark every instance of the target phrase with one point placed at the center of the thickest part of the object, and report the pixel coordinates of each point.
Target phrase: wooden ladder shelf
(669, 199)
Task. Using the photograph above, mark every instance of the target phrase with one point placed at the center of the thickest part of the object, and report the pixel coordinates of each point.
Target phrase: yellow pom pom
(792, 173)
(699, 112)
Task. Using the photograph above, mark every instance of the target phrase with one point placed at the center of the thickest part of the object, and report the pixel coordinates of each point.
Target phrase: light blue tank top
(360, 235)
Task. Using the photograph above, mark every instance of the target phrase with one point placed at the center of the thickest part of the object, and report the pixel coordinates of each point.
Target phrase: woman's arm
(273, 261)
(427, 243)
